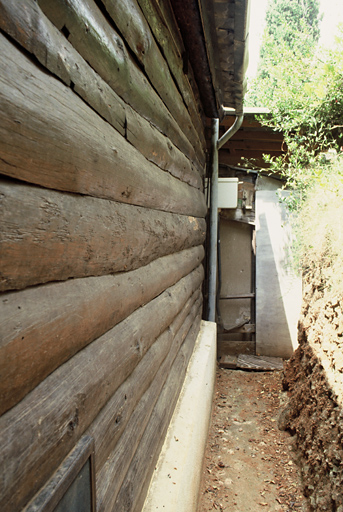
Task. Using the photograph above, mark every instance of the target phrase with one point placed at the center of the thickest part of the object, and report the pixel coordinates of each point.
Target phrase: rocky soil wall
(314, 381)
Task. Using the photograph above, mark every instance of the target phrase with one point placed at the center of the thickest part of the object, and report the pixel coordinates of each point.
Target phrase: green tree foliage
(302, 86)
(292, 30)
(285, 19)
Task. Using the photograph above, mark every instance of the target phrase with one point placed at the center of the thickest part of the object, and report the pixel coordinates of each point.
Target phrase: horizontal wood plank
(100, 45)
(164, 28)
(136, 32)
(136, 459)
(37, 434)
(238, 158)
(59, 56)
(51, 236)
(151, 372)
(56, 141)
(158, 149)
(252, 145)
(43, 326)
(259, 363)
(20, 20)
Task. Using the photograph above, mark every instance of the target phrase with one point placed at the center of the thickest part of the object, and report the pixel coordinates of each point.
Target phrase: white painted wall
(278, 288)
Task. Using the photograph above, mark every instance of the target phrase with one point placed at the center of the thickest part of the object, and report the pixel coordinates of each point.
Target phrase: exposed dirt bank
(249, 463)
(314, 379)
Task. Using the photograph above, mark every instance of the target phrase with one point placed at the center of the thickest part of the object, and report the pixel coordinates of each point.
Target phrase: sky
(333, 14)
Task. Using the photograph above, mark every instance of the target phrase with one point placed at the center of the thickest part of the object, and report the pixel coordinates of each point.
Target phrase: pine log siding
(102, 159)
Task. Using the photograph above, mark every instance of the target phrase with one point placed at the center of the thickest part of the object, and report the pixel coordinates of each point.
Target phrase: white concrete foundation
(175, 484)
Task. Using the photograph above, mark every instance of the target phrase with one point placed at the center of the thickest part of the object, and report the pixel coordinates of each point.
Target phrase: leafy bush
(319, 228)
(304, 92)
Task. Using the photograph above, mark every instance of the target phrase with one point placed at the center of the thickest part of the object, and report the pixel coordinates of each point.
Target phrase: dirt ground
(249, 463)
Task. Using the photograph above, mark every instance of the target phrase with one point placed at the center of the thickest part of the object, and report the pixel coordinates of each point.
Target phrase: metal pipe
(212, 278)
(216, 144)
(231, 131)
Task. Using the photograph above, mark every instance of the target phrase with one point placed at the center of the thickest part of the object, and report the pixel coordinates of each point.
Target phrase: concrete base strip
(175, 484)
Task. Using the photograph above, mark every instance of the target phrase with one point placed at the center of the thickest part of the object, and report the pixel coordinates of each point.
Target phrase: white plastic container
(227, 192)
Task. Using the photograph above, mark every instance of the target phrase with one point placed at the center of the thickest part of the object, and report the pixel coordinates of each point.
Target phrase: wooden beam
(163, 25)
(145, 383)
(259, 363)
(75, 71)
(134, 486)
(37, 434)
(158, 149)
(44, 326)
(253, 145)
(21, 18)
(42, 142)
(257, 135)
(51, 236)
(237, 158)
(136, 32)
(100, 45)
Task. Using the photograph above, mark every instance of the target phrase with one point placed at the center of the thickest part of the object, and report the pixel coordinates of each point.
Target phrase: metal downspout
(212, 259)
(216, 144)
(231, 131)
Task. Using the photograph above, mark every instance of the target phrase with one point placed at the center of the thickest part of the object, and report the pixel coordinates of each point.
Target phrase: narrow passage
(249, 463)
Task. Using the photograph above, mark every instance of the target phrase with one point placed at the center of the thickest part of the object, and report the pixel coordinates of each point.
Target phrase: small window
(72, 487)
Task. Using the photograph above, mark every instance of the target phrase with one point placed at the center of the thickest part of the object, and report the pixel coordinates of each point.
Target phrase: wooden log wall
(102, 155)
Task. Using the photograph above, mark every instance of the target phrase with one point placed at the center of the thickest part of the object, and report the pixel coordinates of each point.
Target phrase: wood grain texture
(134, 488)
(166, 32)
(136, 32)
(44, 326)
(100, 45)
(51, 236)
(158, 149)
(37, 434)
(55, 53)
(21, 18)
(122, 479)
(111, 423)
(21, 21)
(56, 141)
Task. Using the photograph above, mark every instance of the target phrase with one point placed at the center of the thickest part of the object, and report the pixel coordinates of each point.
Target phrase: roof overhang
(215, 35)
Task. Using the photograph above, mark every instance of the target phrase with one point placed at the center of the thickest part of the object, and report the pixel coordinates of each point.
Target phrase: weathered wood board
(100, 45)
(64, 61)
(21, 20)
(136, 459)
(158, 149)
(135, 30)
(56, 141)
(51, 236)
(168, 37)
(102, 156)
(109, 427)
(261, 363)
(43, 326)
(37, 434)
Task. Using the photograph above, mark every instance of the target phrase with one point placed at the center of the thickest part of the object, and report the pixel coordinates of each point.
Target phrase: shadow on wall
(278, 288)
